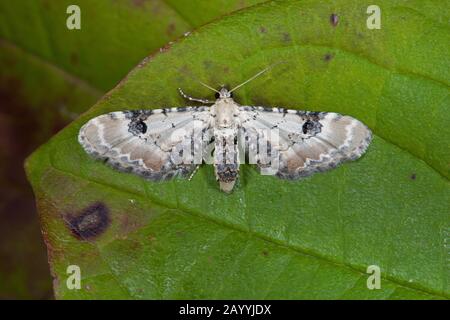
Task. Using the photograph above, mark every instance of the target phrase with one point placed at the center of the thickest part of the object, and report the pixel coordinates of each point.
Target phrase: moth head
(223, 93)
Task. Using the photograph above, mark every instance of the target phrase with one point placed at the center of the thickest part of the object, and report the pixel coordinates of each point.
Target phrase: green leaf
(49, 75)
(272, 238)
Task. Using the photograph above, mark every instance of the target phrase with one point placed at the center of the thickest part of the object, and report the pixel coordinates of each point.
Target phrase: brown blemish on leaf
(286, 37)
(263, 30)
(171, 29)
(265, 253)
(413, 176)
(45, 4)
(138, 3)
(127, 225)
(334, 19)
(328, 57)
(135, 245)
(156, 7)
(208, 64)
(74, 59)
(90, 222)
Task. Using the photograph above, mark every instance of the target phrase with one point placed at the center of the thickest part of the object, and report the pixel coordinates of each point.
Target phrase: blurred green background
(49, 75)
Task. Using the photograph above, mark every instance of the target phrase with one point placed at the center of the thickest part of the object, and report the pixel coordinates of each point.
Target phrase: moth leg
(184, 95)
(194, 172)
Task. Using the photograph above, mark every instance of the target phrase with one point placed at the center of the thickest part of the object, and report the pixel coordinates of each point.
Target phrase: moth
(162, 144)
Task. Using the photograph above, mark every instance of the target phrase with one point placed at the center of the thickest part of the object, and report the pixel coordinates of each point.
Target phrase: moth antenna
(256, 75)
(196, 79)
(209, 87)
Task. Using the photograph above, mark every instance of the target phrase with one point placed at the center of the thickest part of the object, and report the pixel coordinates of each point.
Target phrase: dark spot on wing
(137, 127)
(90, 222)
(311, 127)
(334, 19)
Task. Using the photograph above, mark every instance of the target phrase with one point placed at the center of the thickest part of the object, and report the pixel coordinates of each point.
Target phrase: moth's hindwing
(300, 143)
(150, 143)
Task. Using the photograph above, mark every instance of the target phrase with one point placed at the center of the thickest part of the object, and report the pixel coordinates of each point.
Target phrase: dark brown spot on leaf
(413, 176)
(138, 3)
(262, 30)
(334, 19)
(286, 37)
(90, 222)
(180, 234)
(208, 64)
(74, 59)
(265, 253)
(135, 245)
(171, 29)
(328, 57)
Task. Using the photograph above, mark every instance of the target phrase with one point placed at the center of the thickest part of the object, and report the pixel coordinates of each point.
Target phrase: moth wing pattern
(150, 143)
(301, 143)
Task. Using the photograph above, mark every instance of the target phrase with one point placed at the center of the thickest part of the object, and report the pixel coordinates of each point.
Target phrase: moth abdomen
(227, 175)
(227, 172)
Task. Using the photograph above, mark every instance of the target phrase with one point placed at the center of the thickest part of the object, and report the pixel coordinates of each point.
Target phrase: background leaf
(49, 75)
(272, 238)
